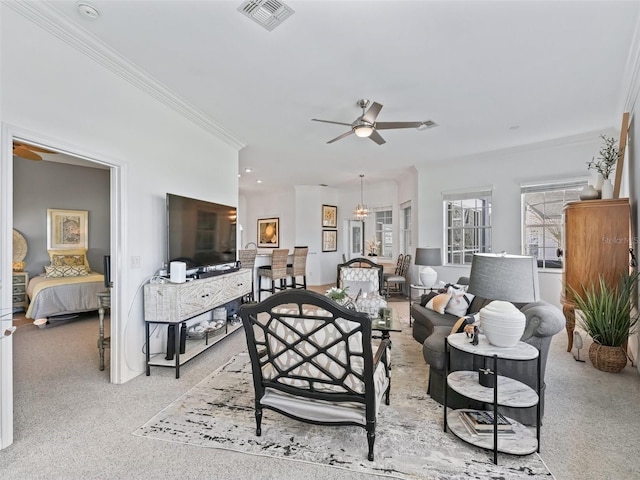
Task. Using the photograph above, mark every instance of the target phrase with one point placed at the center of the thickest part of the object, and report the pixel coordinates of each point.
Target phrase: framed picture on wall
(268, 232)
(329, 216)
(329, 240)
(67, 229)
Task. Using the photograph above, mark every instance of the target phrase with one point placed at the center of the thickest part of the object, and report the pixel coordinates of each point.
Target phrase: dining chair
(247, 259)
(276, 272)
(298, 268)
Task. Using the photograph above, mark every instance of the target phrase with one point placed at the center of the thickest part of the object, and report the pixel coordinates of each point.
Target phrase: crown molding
(48, 18)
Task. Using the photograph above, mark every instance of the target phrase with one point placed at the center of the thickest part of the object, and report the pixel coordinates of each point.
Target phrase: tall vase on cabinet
(607, 189)
(597, 180)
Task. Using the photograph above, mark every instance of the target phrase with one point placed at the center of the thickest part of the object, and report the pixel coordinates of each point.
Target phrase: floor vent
(268, 13)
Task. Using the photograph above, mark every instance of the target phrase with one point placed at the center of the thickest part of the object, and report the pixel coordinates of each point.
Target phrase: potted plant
(604, 165)
(608, 317)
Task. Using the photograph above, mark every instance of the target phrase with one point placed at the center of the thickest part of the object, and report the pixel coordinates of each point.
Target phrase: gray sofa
(430, 328)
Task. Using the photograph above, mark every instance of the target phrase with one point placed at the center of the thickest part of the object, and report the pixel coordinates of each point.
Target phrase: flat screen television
(201, 234)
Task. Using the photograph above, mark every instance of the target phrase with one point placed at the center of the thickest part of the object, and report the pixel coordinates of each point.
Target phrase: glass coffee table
(386, 323)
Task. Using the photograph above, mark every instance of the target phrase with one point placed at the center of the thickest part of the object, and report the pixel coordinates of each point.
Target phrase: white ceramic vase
(502, 323)
(607, 189)
(597, 180)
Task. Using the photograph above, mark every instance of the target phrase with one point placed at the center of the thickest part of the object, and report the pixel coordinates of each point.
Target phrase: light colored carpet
(410, 442)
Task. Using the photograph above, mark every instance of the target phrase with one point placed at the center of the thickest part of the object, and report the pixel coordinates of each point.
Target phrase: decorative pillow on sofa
(439, 302)
(459, 303)
(462, 322)
(55, 271)
(424, 299)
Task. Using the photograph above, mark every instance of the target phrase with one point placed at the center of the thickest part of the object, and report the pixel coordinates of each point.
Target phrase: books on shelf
(480, 422)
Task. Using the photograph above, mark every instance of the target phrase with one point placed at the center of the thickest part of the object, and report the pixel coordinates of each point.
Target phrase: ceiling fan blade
(23, 152)
(375, 136)
(371, 114)
(331, 121)
(346, 134)
(32, 148)
(389, 125)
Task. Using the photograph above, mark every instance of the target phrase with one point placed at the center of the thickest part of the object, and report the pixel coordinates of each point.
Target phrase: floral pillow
(57, 271)
(67, 260)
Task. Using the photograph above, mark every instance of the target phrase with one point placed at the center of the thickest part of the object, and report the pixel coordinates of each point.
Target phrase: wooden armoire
(596, 242)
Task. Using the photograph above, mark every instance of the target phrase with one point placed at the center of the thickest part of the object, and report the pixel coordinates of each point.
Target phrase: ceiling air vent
(268, 13)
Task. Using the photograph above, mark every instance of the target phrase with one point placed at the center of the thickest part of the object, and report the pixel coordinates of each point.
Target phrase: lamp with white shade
(427, 258)
(504, 279)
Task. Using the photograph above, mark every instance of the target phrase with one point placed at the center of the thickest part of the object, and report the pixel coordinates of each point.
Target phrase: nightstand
(20, 281)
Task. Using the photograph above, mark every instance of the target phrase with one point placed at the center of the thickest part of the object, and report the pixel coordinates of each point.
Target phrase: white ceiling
(491, 74)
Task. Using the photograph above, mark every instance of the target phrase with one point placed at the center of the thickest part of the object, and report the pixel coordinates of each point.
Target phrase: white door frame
(117, 202)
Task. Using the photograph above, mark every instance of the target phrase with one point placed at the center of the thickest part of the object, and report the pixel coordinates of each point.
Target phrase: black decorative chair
(313, 361)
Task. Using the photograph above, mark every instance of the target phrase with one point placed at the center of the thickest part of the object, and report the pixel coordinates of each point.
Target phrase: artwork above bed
(67, 229)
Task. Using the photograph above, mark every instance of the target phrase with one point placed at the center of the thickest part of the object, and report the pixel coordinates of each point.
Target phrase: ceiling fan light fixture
(363, 131)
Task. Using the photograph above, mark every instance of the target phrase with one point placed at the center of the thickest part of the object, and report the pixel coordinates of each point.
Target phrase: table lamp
(504, 279)
(428, 257)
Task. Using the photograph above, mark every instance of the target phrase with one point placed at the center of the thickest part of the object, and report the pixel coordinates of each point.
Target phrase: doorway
(75, 156)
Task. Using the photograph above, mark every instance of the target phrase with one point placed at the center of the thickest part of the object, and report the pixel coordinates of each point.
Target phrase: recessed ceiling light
(239, 175)
(258, 181)
(87, 10)
(247, 170)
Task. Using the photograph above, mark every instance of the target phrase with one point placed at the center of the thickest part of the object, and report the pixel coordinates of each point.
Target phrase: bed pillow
(67, 260)
(439, 302)
(70, 252)
(56, 271)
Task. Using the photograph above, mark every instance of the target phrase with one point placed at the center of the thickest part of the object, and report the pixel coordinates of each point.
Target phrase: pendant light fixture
(361, 210)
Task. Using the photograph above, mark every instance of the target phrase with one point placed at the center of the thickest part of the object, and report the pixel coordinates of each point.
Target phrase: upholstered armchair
(313, 361)
(363, 280)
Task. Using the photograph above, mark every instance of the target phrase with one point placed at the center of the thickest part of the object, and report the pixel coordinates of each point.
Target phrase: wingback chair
(312, 360)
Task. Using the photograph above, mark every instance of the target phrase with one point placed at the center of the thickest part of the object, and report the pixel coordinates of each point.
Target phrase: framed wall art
(67, 229)
(269, 232)
(329, 240)
(329, 216)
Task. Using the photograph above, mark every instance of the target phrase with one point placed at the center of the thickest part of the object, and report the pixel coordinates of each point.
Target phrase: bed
(67, 287)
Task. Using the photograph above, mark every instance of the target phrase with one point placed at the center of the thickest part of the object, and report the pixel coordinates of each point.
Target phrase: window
(384, 232)
(467, 225)
(542, 227)
(406, 228)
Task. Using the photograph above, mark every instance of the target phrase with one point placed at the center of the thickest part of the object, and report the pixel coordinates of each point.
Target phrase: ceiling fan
(23, 150)
(366, 126)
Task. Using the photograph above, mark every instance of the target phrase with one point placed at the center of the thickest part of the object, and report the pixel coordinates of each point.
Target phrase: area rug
(410, 442)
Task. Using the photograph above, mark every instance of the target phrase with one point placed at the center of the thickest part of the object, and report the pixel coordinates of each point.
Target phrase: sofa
(430, 328)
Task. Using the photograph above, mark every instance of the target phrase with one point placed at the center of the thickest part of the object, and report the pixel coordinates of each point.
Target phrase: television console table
(175, 303)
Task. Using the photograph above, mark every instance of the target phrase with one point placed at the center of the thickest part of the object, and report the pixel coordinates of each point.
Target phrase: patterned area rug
(410, 442)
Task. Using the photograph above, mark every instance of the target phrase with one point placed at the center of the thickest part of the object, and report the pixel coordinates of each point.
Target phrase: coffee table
(386, 323)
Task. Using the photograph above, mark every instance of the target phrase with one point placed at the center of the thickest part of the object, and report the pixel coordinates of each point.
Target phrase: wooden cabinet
(20, 281)
(596, 242)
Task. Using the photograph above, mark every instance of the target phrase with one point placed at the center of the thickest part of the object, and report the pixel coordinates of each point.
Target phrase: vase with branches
(608, 157)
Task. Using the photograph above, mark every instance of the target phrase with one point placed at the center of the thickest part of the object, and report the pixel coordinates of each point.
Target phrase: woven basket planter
(607, 359)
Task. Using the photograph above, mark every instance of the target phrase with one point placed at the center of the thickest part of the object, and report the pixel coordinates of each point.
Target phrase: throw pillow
(71, 251)
(439, 302)
(459, 303)
(67, 260)
(424, 299)
(462, 322)
(55, 271)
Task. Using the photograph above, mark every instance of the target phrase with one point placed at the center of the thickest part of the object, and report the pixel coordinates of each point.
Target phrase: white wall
(505, 171)
(53, 90)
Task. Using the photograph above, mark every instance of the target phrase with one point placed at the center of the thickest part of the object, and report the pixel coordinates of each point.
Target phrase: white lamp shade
(428, 277)
(364, 131)
(502, 323)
